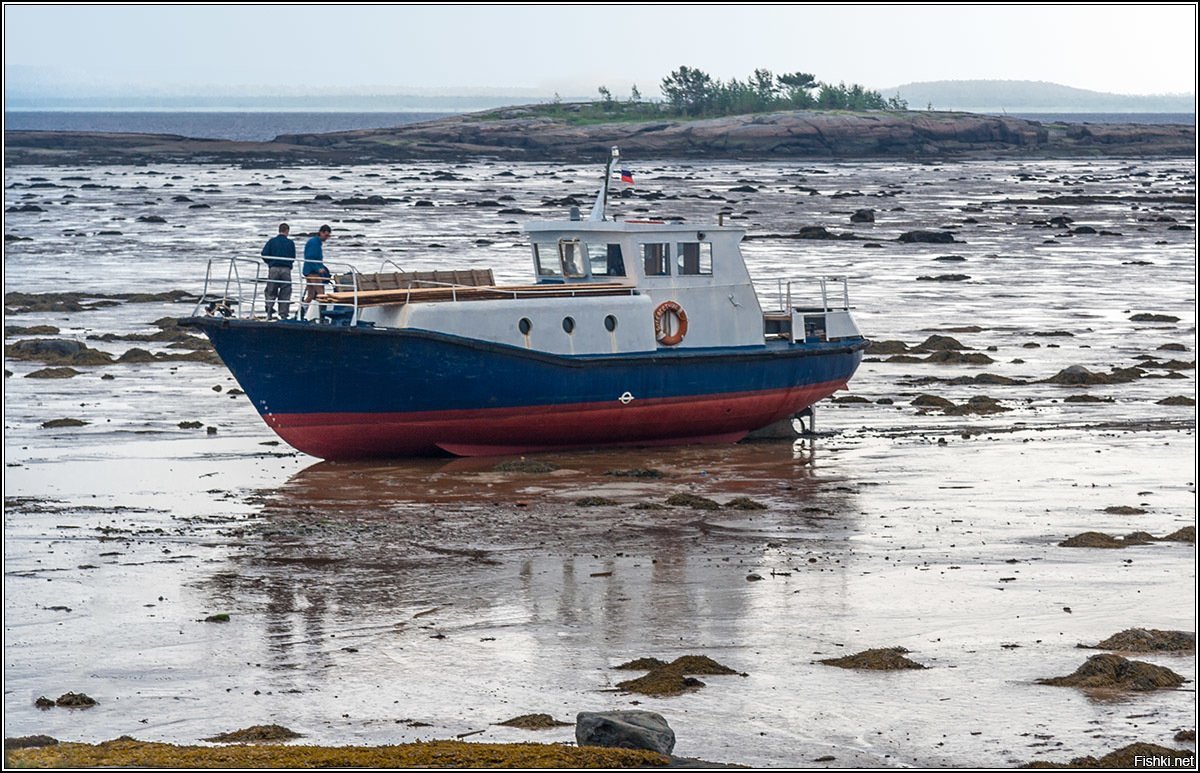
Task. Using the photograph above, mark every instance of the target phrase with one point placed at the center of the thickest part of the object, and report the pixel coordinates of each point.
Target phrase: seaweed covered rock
(1135, 755)
(255, 734)
(625, 730)
(1149, 640)
(1113, 672)
(883, 659)
(533, 722)
(674, 678)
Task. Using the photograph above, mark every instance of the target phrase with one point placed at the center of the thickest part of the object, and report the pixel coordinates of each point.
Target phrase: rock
(29, 742)
(59, 423)
(932, 401)
(1174, 400)
(927, 237)
(53, 373)
(1149, 640)
(1077, 375)
(152, 219)
(693, 501)
(887, 347)
(863, 216)
(945, 278)
(938, 343)
(75, 700)
(595, 502)
(58, 351)
(886, 659)
(1153, 318)
(625, 730)
(136, 355)
(254, 734)
(958, 358)
(641, 664)
(1098, 539)
(1135, 755)
(533, 722)
(1186, 534)
(1124, 510)
(980, 405)
(1116, 673)
(819, 232)
(744, 503)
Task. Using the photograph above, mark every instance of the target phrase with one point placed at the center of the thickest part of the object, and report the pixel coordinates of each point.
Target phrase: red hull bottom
(723, 418)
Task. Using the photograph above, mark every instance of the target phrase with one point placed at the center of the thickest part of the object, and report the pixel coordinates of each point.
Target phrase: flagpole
(601, 205)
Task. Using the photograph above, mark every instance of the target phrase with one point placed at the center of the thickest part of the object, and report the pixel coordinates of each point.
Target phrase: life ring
(660, 315)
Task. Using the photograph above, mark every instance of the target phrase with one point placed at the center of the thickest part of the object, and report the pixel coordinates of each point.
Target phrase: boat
(636, 332)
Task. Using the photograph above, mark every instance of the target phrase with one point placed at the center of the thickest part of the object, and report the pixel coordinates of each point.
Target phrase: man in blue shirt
(279, 254)
(315, 272)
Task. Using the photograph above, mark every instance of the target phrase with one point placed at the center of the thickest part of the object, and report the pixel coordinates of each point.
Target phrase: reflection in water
(352, 551)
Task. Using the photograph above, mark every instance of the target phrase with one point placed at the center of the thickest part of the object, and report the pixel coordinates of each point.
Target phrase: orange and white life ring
(660, 323)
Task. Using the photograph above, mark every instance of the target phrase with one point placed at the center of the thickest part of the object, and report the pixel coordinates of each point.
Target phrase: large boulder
(625, 730)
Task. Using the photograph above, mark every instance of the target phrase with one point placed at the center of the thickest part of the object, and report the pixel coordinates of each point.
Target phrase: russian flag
(627, 176)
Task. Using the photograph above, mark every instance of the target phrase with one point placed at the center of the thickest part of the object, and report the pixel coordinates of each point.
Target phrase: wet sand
(376, 603)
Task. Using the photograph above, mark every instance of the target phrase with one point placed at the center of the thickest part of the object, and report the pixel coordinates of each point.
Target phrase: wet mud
(403, 601)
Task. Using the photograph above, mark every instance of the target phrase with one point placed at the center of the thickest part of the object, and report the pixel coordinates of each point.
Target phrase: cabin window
(606, 259)
(525, 325)
(574, 260)
(547, 259)
(610, 323)
(568, 325)
(657, 258)
(694, 258)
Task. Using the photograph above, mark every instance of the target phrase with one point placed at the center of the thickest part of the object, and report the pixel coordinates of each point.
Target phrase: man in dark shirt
(279, 254)
(315, 271)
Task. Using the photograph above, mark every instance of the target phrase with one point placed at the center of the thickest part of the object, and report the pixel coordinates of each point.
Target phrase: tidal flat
(167, 556)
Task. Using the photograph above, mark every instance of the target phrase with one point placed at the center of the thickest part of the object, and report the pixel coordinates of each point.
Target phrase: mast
(602, 196)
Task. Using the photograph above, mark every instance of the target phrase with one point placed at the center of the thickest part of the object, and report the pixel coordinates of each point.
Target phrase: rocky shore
(521, 134)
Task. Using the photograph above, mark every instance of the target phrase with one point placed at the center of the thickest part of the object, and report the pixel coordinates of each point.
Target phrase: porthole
(610, 323)
(525, 326)
(569, 325)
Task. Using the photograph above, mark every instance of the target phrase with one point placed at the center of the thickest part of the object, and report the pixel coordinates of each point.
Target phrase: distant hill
(989, 96)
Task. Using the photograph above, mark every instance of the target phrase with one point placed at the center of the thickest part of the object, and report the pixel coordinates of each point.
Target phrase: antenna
(602, 196)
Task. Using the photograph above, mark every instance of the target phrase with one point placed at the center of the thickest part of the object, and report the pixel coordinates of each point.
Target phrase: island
(533, 133)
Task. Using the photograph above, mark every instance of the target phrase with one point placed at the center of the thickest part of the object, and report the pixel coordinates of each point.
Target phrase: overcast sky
(1146, 49)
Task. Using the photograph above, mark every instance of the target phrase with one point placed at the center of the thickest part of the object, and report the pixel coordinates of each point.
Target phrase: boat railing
(236, 288)
(785, 296)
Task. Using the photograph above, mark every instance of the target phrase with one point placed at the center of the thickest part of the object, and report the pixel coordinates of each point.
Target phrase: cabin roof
(633, 226)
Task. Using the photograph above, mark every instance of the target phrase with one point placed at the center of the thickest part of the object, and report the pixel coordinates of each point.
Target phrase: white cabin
(598, 286)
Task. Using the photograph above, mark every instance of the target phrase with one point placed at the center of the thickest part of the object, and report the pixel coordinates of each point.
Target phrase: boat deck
(468, 293)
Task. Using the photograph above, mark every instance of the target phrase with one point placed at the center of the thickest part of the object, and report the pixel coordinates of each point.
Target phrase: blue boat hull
(340, 392)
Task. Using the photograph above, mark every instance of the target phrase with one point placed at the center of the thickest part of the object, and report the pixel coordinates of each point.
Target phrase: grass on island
(127, 753)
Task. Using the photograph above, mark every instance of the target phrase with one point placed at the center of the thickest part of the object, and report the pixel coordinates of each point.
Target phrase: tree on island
(692, 92)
